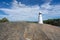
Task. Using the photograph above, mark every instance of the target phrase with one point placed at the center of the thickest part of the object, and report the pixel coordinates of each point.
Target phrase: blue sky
(27, 10)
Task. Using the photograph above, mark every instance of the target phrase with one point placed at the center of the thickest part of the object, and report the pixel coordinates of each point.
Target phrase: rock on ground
(28, 31)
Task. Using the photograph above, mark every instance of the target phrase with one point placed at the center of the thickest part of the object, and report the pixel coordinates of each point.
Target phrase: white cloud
(20, 11)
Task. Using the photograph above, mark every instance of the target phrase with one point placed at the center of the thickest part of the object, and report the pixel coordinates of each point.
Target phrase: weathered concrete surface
(28, 31)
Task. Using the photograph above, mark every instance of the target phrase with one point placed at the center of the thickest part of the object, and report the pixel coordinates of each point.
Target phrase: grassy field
(28, 31)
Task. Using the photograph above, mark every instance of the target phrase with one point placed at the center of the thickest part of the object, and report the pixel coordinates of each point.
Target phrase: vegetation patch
(55, 22)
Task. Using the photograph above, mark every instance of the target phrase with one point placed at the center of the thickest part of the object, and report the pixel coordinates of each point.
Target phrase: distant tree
(4, 20)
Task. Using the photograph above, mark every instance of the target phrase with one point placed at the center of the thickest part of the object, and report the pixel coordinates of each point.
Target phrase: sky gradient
(27, 10)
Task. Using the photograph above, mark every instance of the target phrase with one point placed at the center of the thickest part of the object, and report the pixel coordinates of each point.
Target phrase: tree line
(55, 22)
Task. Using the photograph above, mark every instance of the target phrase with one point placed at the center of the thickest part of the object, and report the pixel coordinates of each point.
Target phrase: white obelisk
(40, 20)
